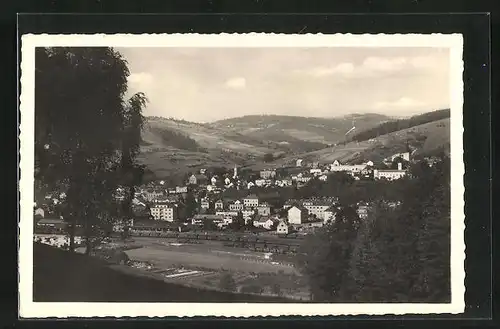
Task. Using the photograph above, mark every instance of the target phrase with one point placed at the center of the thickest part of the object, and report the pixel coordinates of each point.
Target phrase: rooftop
(251, 196)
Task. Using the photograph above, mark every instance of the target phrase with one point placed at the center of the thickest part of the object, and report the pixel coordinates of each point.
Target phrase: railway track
(255, 243)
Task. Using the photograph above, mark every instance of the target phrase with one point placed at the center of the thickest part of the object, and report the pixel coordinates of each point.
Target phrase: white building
(298, 163)
(316, 207)
(213, 180)
(164, 211)
(192, 180)
(282, 228)
(264, 222)
(297, 215)
(236, 206)
(323, 178)
(260, 182)
(251, 201)
(248, 212)
(181, 189)
(315, 171)
(329, 214)
(40, 212)
(151, 195)
(201, 219)
(389, 174)
(227, 213)
(205, 203)
(264, 209)
(219, 205)
(303, 179)
(362, 211)
(267, 174)
(405, 156)
(336, 166)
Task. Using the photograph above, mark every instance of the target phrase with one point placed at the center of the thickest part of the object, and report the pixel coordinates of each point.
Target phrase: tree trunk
(72, 229)
(88, 235)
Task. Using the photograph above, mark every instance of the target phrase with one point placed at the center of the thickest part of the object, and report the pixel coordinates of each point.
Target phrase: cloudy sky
(208, 84)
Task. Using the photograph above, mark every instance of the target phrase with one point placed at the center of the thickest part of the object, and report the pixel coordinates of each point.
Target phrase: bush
(227, 282)
(276, 289)
(252, 289)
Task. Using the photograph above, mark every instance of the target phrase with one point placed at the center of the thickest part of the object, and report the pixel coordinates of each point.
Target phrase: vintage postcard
(241, 175)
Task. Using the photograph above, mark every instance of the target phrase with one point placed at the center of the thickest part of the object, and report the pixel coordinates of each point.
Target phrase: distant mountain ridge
(282, 128)
(172, 146)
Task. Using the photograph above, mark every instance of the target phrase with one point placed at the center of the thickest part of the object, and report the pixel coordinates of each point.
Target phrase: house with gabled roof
(297, 214)
(219, 205)
(251, 201)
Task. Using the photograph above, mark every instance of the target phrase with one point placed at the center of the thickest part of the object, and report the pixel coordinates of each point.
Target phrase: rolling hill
(172, 147)
(288, 129)
(425, 139)
(175, 147)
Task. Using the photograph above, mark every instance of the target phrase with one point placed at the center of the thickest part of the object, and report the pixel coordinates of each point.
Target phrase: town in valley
(242, 175)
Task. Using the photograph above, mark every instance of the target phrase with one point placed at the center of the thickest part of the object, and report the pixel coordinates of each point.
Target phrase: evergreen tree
(190, 205)
(324, 256)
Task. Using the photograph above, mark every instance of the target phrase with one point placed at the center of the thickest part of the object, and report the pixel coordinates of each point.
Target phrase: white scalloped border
(30, 309)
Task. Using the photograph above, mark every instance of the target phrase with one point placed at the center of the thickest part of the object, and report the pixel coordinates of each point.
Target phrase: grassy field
(60, 276)
(209, 257)
(203, 266)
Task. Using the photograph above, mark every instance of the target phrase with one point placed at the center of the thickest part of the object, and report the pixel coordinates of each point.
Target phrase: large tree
(397, 254)
(87, 132)
(324, 256)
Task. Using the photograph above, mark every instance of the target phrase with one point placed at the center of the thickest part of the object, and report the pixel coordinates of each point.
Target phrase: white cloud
(322, 71)
(402, 103)
(371, 67)
(206, 84)
(384, 64)
(236, 83)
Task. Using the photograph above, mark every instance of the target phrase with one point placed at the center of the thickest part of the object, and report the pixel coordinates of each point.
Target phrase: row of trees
(178, 140)
(87, 134)
(396, 255)
(396, 125)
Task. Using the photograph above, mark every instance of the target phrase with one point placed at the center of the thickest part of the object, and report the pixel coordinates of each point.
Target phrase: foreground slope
(60, 276)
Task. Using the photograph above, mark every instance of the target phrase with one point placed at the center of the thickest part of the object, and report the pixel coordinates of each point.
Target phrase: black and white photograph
(241, 175)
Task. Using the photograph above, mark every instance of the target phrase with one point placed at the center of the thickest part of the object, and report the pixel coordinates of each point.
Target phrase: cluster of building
(295, 215)
(160, 202)
(164, 201)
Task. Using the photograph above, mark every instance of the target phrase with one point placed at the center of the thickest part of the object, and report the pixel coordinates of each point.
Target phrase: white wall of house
(250, 203)
(282, 228)
(164, 212)
(295, 215)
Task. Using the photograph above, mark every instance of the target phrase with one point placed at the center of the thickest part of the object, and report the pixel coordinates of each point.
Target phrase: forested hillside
(396, 125)
(395, 255)
(177, 140)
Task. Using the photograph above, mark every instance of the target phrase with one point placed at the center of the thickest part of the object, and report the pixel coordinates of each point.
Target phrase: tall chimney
(400, 166)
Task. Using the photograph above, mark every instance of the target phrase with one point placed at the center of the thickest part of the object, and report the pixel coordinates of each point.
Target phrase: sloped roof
(51, 221)
(252, 196)
(299, 207)
(208, 216)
